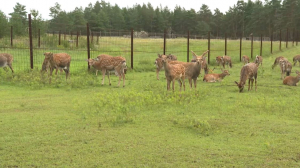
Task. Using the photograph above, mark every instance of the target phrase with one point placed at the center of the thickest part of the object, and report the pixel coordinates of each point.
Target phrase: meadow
(80, 123)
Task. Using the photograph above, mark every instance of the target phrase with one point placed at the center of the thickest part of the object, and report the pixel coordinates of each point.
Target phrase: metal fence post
(280, 40)
(287, 38)
(272, 42)
(131, 56)
(165, 41)
(225, 43)
(208, 47)
(30, 41)
(77, 38)
(88, 42)
(39, 38)
(261, 44)
(59, 35)
(251, 45)
(241, 47)
(11, 36)
(188, 46)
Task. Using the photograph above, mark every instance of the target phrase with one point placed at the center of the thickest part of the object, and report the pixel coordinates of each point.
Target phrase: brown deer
(285, 67)
(219, 60)
(6, 60)
(107, 63)
(292, 80)
(159, 65)
(277, 60)
(248, 71)
(296, 59)
(57, 61)
(174, 72)
(258, 60)
(245, 59)
(216, 77)
(226, 60)
(204, 62)
(46, 66)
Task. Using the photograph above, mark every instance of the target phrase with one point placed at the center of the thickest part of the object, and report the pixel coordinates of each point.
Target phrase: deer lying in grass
(248, 71)
(292, 80)
(258, 60)
(219, 60)
(216, 77)
(245, 59)
(226, 60)
(296, 59)
(57, 61)
(277, 60)
(174, 72)
(285, 67)
(159, 65)
(204, 62)
(107, 63)
(6, 60)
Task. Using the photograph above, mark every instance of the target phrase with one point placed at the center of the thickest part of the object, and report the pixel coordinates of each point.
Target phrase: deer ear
(159, 56)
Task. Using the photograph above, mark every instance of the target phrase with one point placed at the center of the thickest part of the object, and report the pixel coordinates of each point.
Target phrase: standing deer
(107, 63)
(245, 59)
(216, 77)
(248, 71)
(296, 59)
(6, 60)
(292, 80)
(57, 61)
(258, 60)
(174, 72)
(159, 65)
(226, 60)
(201, 57)
(285, 67)
(277, 61)
(219, 60)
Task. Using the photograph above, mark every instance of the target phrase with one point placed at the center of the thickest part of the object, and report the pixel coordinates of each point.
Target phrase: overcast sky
(67, 5)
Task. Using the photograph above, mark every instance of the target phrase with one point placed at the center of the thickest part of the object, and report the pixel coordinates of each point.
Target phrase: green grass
(81, 123)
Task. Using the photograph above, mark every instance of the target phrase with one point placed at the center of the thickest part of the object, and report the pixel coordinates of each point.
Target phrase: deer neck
(222, 75)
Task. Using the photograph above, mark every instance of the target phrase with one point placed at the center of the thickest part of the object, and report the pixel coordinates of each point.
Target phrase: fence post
(39, 38)
(272, 42)
(188, 46)
(293, 36)
(241, 47)
(77, 39)
(208, 47)
(131, 56)
(11, 36)
(251, 45)
(225, 43)
(59, 33)
(88, 42)
(280, 40)
(30, 41)
(261, 45)
(165, 41)
(287, 37)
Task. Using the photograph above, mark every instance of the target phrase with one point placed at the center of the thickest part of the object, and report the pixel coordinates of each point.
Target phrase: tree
(37, 23)
(4, 25)
(55, 10)
(18, 19)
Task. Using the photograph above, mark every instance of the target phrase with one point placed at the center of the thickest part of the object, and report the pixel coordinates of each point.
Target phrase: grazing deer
(286, 68)
(226, 60)
(6, 60)
(216, 77)
(295, 59)
(201, 57)
(107, 63)
(248, 71)
(174, 72)
(245, 59)
(57, 61)
(277, 61)
(292, 80)
(159, 65)
(219, 60)
(258, 60)
(46, 66)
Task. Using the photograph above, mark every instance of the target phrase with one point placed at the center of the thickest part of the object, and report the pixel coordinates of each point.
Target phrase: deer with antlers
(296, 59)
(174, 72)
(226, 60)
(258, 60)
(292, 80)
(285, 67)
(159, 64)
(107, 63)
(204, 62)
(6, 60)
(248, 71)
(245, 59)
(216, 77)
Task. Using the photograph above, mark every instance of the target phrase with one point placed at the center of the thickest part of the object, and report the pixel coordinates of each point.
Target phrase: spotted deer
(204, 65)
(106, 63)
(292, 80)
(285, 67)
(277, 60)
(159, 65)
(216, 77)
(174, 72)
(248, 71)
(258, 60)
(6, 60)
(296, 59)
(219, 60)
(57, 61)
(226, 60)
(46, 67)
(245, 59)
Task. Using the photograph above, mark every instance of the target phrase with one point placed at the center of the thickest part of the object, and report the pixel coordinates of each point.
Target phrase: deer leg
(168, 84)
(96, 72)
(103, 75)
(190, 82)
(180, 83)
(252, 80)
(51, 71)
(157, 74)
(255, 84)
(109, 78)
(11, 68)
(195, 83)
(248, 84)
(173, 84)
(67, 73)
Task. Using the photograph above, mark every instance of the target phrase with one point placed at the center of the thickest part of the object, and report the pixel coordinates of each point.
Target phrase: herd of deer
(174, 70)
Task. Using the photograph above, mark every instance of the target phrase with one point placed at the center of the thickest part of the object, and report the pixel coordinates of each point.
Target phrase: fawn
(216, 77)
(292, 80)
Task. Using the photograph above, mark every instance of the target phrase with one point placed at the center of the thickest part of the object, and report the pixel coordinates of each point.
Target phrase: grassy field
(81, 123)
